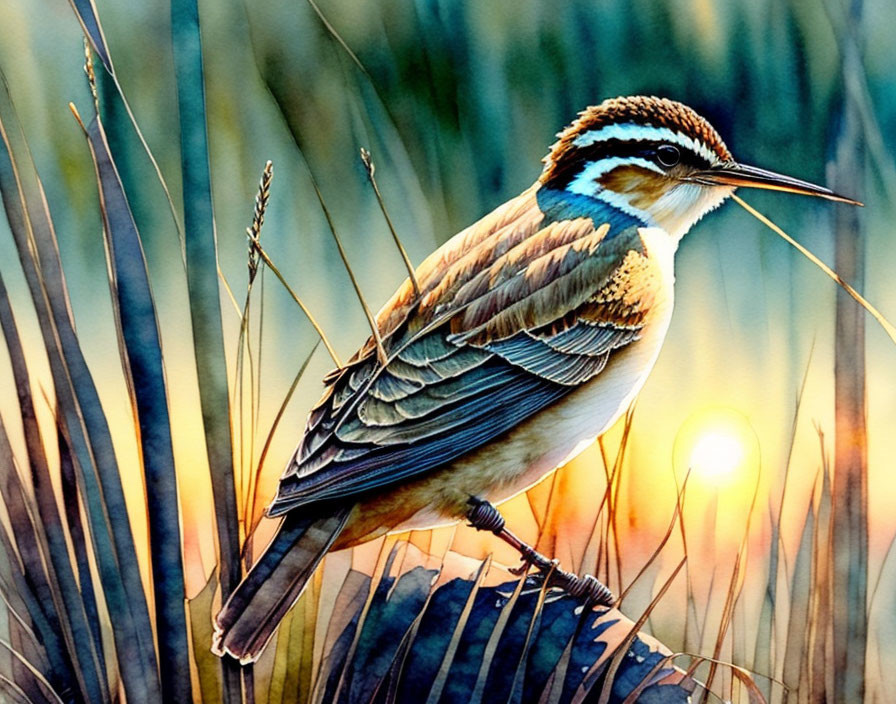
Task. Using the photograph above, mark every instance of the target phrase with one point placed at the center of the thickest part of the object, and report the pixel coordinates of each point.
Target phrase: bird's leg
(483, 516)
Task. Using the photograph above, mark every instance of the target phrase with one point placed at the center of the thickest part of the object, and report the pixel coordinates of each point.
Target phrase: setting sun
(717, 455)
(718, 446)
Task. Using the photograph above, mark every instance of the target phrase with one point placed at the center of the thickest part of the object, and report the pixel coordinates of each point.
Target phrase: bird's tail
(255, 608)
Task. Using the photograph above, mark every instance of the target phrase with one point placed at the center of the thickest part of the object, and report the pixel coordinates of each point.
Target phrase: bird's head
(656, 160)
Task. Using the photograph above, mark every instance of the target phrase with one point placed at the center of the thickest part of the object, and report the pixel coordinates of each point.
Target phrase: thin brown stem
(270, 264)
(371, 168)
(374, 328)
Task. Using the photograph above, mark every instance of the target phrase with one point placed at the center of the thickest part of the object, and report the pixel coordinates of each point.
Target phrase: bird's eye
(668, 155)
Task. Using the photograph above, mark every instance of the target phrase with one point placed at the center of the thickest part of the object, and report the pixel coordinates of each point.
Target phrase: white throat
(678, 210)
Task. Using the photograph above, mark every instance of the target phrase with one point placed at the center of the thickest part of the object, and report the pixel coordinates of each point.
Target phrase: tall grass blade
(270, 438)
(17, 587)
(71, 502)
(35, 672)
(205, 305)
(63, 673)
(200, 610)
(85, 10)
(202, 279)
(336, 37)
(311, 319)
(27, 539)
(15, 692)
(135, 310)
(435, 692)
(617, 475)
(820, 647)
(18, 672)
(371, 320)
(623, 648)
(244, 349)
(796, 661)
(370, 167)
(56, 588)
(494, 638)
(88, 430)
(17, 614)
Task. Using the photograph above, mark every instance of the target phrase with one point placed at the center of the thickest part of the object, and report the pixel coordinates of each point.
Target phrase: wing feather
(539, 358)
(524, 311)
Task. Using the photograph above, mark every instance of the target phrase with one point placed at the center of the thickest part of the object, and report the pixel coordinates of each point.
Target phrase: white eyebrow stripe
(632, 132)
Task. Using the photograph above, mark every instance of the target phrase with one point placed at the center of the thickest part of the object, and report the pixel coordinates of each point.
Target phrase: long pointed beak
(733, 174)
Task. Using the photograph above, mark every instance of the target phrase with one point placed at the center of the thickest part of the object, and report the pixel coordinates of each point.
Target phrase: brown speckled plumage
(533, 302)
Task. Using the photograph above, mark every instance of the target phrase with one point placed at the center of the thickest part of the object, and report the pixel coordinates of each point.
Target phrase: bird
(518, 342)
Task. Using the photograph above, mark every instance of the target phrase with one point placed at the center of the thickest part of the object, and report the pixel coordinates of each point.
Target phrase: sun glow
(717, 455)
(718, 446)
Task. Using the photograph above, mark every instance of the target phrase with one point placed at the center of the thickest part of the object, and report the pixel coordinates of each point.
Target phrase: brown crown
(640, 110)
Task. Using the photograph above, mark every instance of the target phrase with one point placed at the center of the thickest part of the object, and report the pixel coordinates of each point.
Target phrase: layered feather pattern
(515, 312)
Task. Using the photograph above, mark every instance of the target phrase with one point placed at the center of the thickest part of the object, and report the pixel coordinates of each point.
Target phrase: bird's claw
(483, 516)
(527, 560)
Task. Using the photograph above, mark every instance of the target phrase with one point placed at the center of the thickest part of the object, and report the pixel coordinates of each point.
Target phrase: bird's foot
(524, 567)
(483, 516)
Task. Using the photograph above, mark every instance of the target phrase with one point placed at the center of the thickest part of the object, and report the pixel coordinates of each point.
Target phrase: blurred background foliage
(458, 102)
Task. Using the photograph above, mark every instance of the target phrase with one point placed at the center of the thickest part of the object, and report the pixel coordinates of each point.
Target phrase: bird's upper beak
(733, 174)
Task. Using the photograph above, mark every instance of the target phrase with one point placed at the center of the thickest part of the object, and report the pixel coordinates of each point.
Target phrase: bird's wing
(486, 348)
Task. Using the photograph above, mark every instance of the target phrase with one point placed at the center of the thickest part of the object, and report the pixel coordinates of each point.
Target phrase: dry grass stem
(626, 644)
(371, 320)
(875, 313)
(261, 204)
(371, 168)
(91, 76)
(320, 331)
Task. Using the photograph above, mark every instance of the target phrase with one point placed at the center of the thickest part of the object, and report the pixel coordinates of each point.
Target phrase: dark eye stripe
(571, 163)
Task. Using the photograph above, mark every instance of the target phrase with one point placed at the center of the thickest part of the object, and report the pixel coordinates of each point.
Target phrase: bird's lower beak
(738, 175)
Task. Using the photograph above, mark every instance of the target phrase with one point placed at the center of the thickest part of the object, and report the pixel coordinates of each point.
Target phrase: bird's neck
(561, 204)
(675, 211)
